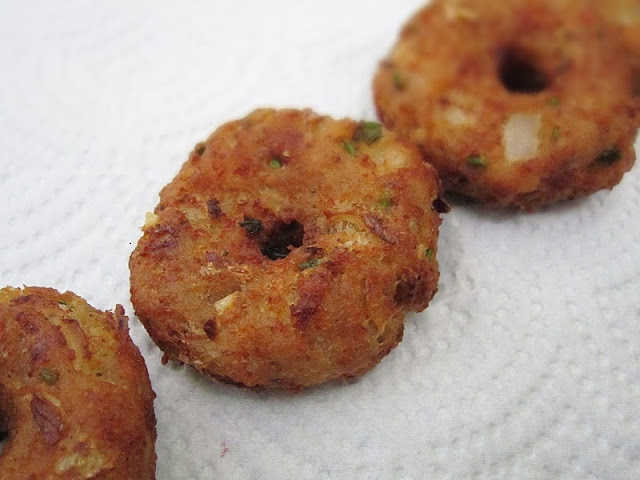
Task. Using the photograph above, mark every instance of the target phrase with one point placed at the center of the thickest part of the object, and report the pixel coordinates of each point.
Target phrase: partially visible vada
(288, 250)
(75, 396)
(518, 103)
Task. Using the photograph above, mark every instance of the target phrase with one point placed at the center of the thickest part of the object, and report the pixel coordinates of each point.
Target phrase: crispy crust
(352, 228)
(445, 85)
(625, 17)
(75, 396)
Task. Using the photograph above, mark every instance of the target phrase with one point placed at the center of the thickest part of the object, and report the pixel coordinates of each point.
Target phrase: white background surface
(526, 365)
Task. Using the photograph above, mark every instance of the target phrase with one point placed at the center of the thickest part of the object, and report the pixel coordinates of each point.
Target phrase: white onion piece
(457, 116)
(224, 303)
(520, 137)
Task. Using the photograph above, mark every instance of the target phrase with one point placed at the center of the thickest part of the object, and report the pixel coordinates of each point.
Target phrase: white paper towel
(526, 365)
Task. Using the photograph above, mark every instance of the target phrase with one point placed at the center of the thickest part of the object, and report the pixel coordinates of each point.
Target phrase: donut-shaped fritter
(516, 103)
(288, 249)
(75, 396)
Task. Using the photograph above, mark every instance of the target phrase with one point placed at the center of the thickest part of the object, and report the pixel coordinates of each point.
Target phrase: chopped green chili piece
(312, 262)
(385, 200)
(275, 163)
(348, 146)
(609, 156)
(554, 101)
(428, 253)
(251, 225)
(476, 161)
(50, 377)
(367, 132)
(555, 134)
(200, 148)
(65, 306)
(399, 82)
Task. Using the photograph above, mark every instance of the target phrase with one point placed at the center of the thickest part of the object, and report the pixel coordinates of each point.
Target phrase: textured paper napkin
(526, 365)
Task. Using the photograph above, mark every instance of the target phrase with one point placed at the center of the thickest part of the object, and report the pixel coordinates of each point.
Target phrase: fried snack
(75, 396)
(518, 103)
(288, 249)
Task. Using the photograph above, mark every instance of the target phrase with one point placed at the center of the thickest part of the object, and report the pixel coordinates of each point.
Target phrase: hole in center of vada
(520, 74)
(278, 242)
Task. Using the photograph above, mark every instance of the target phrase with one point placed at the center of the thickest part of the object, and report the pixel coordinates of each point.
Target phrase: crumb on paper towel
(223, 449)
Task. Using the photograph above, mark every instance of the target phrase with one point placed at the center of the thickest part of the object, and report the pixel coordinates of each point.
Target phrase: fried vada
(288, 249)
(75, 396)
(519, 103)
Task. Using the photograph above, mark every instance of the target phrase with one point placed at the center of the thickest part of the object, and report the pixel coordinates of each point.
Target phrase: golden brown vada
(288, 249)
(518, 103)
(75, 396)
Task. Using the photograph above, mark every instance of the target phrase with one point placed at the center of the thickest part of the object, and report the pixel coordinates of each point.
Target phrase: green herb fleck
(251, 225)
(367, 132)
(385, 200)
(429, 253)
(225, 253)
(312, 262)
(554, 101)
(399, 82)
(555, 134)
(609, 156)
(348, 146)
(50, 377)
(476, 161)
(65, 306)
(275, 163)
(200, 148)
